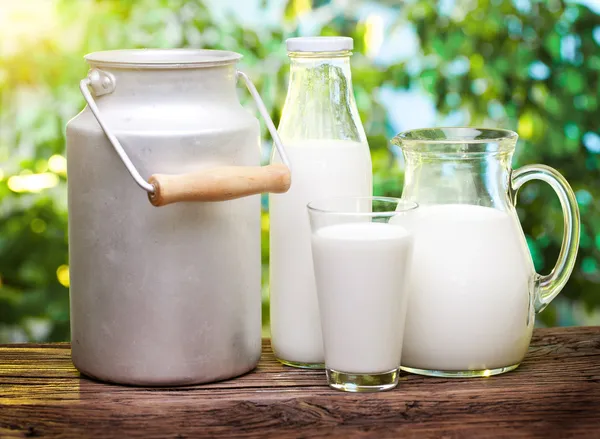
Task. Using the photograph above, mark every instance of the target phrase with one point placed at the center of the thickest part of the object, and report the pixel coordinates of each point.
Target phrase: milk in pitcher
(469, 306)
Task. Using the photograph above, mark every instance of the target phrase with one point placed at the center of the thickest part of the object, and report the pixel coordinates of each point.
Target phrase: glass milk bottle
(326, 143)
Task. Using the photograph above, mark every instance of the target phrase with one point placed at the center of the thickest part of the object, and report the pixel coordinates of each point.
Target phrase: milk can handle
(214, 184)
(103, 83)
(266, 117)
(551, 284)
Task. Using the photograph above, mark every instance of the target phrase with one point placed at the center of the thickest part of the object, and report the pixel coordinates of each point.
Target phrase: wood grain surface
(554, 393)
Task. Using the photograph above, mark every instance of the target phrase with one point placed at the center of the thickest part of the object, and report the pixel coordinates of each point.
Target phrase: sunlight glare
(25, 22)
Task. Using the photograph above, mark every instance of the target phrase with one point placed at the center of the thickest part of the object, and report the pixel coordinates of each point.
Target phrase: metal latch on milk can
(214, 184)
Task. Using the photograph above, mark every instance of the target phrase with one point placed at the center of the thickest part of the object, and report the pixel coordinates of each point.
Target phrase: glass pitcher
(474, 291)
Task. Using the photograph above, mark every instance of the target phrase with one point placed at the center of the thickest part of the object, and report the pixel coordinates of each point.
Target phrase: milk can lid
(161, 58)
(319, 44)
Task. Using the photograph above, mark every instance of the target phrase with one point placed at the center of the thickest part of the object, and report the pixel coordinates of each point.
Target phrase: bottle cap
(319, 44)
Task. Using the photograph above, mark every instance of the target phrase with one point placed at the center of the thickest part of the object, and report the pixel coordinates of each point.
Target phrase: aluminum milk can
(166, 295)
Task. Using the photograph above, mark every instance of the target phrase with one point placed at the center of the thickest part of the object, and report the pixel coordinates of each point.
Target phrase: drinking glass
(361, 256)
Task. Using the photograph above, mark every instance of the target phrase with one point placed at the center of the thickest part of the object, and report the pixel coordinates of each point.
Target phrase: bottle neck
(320, 101)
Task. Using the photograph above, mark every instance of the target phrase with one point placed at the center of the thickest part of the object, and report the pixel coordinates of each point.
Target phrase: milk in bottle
(327, 145)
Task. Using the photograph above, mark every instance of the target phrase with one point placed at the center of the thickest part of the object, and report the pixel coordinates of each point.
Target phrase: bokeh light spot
(373, 37)
(538, 70)
(264, 223)
(477, 61)
(479, 86)
(38, 225)
(57, 164)
(32, 182)
(584, 197)
(596, 35)
(589, 265)
(62, 274)
(592, 142)
(525, 127)
(572, 131)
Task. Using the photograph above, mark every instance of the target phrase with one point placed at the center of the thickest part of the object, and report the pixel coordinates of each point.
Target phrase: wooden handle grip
(219, 184)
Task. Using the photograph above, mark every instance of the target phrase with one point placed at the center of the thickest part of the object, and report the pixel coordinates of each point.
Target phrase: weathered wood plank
(555, 393)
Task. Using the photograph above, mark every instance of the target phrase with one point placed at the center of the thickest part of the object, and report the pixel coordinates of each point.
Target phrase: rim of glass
(407, 206)
(455, 135)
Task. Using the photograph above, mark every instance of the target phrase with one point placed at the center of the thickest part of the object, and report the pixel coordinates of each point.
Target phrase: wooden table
(554, 393)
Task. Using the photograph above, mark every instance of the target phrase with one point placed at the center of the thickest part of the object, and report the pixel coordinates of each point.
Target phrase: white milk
(361, 269)
(320, 169)
(469, 302)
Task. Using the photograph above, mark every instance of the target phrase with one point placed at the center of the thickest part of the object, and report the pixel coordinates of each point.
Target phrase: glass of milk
(361, 261)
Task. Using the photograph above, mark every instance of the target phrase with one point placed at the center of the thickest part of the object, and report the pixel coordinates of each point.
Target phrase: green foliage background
(502, 42)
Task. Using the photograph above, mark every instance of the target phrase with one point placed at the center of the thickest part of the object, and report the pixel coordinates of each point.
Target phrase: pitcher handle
(551, 284)
(214, 184)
